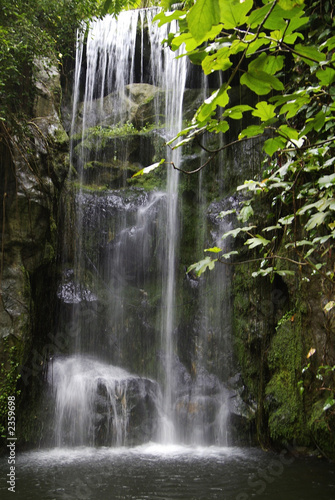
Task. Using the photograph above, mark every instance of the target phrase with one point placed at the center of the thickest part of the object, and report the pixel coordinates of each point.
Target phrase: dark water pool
(166, 473)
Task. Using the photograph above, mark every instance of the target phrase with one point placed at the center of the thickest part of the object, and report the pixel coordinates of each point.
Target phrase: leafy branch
(299, 161)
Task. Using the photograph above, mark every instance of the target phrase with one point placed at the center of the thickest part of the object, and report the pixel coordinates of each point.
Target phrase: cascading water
(171, 76)
(95, 403)
(119, 297)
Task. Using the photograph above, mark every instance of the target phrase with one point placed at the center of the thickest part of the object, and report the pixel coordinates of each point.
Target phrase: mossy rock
(322, 428)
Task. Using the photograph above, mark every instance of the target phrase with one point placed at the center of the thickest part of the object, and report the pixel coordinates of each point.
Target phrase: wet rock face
(33, 169)
(127, 416)
(141, 104)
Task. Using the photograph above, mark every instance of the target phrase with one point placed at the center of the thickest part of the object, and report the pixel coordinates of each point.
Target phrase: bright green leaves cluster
(260, 75)
(218, 98)
(201, 17)
(265, 40)
(261, 47)
(205, 14)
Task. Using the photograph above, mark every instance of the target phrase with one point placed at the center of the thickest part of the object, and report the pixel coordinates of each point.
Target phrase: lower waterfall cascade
(142, 361)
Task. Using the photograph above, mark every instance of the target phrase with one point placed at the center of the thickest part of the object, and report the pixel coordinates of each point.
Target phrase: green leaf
(235, 232)
(289, 132)
(326, 76)
(262, 272)
(252, 131)
(213, 249)
(329, 403)
(256, 44)
(330, 305)
(293, 105)
(286, 220)
(289, 4)
(330, 43)
(326, 181)
(319, 121)
(300, 243)
(187, 38)
(264, 111)
(279, 16)
(226, 212)
(301, 386)
(257, 15)
(218, 126)
(315, 220)
(261, 82)
(192, 129)
(271, 228)
(106, 6)
(253, 186)
(191, 43)
(309, 54)
(305, 208)
(294, 25)
(228, 255)
(218, 61)
(218, 98)
(257, 241)
(164, 17)
(148, 169)
(201, 266)
(269, 64)
(246, 213)
(236, 112)
(201, 17)
(274, 144)
(285, 272)
(234, 12)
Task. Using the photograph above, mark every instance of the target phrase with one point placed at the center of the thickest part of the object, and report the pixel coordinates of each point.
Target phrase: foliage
(112, 130)
(257, 45)
(320, 381)
(31, 29)
(324, 377)
(98, 136)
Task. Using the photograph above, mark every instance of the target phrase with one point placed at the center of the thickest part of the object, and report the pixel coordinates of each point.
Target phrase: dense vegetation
(294, 115)
(31, 29)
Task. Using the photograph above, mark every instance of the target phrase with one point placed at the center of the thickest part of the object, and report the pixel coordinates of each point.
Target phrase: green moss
(49, 252)
(150, 182)
(105, 132)
(285, 408)
(90, 188)
(244, 342)
(283, 401)
(60, 137)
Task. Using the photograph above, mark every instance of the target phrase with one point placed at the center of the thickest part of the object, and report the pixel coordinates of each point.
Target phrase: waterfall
(95, 402)
(124, 376)
(169, 73)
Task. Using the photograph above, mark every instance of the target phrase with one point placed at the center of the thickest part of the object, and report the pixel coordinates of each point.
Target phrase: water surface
(168, 472)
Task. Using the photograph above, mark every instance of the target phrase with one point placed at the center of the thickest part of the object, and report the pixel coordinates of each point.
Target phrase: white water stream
(109, 63)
